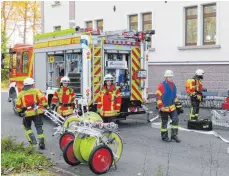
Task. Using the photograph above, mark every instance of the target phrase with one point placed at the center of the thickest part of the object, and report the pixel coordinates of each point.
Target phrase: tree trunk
(25, 23)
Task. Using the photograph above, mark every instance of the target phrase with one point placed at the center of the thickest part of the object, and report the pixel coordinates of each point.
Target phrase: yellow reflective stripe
(27, 133)
(41, 135)
(159, 92)
(163, 129)
(175, 126)
(159, 101)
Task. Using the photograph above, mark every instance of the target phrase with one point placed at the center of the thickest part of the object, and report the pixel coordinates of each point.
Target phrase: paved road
(144, 153)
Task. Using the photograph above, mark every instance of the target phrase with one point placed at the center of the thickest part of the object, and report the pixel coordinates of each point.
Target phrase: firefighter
(65, 96)
(194, 90)
(109, 101)
(166, 99)
(26, 103)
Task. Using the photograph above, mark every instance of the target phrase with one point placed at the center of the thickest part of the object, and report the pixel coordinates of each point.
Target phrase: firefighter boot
(32, 139)
(164, 136)
(174, 137)
(42, 143)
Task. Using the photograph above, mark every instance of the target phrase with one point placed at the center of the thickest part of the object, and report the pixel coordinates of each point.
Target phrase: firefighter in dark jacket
(166, 99)
(26, 103)
(194, 89)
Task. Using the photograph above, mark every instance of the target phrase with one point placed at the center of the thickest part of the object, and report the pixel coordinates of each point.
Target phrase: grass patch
(4, 83)
(18, 158)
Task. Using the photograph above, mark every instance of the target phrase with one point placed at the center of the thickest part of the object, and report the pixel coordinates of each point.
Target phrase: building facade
(189, 35)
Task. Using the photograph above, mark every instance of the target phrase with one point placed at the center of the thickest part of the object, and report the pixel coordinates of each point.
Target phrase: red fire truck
(85, 56)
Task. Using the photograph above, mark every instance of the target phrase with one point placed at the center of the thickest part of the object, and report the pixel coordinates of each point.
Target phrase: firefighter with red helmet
(109, 101)
(26, 104)
(194, 89)
(166, 100)
(65, 96)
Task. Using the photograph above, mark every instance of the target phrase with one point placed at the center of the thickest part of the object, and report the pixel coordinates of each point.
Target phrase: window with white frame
(89, 24)
(200, 27)
(133, 22)
(146, 21)
(56, 28)
(99, 24)
(191, 26)
(209, 24)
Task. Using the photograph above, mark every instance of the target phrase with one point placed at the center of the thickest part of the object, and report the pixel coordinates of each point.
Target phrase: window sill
(199, 47)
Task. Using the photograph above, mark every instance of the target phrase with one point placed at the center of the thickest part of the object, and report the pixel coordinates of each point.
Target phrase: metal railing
(211, 100)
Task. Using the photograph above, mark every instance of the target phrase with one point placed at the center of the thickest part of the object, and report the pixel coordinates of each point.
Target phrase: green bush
(20, 157)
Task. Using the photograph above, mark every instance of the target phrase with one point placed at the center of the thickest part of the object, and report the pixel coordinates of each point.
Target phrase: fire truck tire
(14, 103)
(65, 138)
(101, 159)
(69, 156)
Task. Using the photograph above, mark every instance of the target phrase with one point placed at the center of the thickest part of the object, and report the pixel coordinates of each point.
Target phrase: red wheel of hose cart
(65, 138)
(101, 159)
(69, 156)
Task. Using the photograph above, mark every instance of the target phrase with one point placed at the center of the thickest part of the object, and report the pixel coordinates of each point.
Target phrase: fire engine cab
(85, 56)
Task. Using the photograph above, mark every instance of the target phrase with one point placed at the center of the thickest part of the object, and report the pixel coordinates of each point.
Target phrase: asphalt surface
(144, 154)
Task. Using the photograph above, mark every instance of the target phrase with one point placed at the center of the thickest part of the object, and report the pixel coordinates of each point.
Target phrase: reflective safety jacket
(193, 86)
(109, 101)
(227, 99)
(166, 96)
(65, 97)
(27, 99)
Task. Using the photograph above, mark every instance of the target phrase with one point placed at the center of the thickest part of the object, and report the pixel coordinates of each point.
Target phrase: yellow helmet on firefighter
(28, 81)
(168, 73)
(108, 77)
(65, 80)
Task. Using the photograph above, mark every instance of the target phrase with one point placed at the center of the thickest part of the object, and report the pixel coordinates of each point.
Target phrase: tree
(30, 14)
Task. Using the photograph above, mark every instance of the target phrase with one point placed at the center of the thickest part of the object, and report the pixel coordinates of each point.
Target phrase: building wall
(168, 42)
(216, 77)
(56, 15)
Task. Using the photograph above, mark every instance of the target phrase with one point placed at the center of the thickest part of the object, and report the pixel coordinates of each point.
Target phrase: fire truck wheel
(14, 106)
(101, 159)
(65, 138)
(69, 156)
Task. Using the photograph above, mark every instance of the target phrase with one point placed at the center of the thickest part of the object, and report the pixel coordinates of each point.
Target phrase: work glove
(47, 108)
(199, 97)
(53, 107)
(21, 114)
(162, 109)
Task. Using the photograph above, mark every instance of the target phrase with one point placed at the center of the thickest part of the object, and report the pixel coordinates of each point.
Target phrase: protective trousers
(194, 110)
(27, 123)
(164, 121)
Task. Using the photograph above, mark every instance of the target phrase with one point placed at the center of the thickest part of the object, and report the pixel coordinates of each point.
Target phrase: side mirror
(2, 62)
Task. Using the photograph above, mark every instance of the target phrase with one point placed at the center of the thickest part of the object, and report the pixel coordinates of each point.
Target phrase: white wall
(167, 20)
(56, 15)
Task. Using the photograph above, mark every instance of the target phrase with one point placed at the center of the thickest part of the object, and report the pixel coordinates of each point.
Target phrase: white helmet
(168, 73)
(108, 77)
(65, 79)
(199, 72)
(28, 81)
